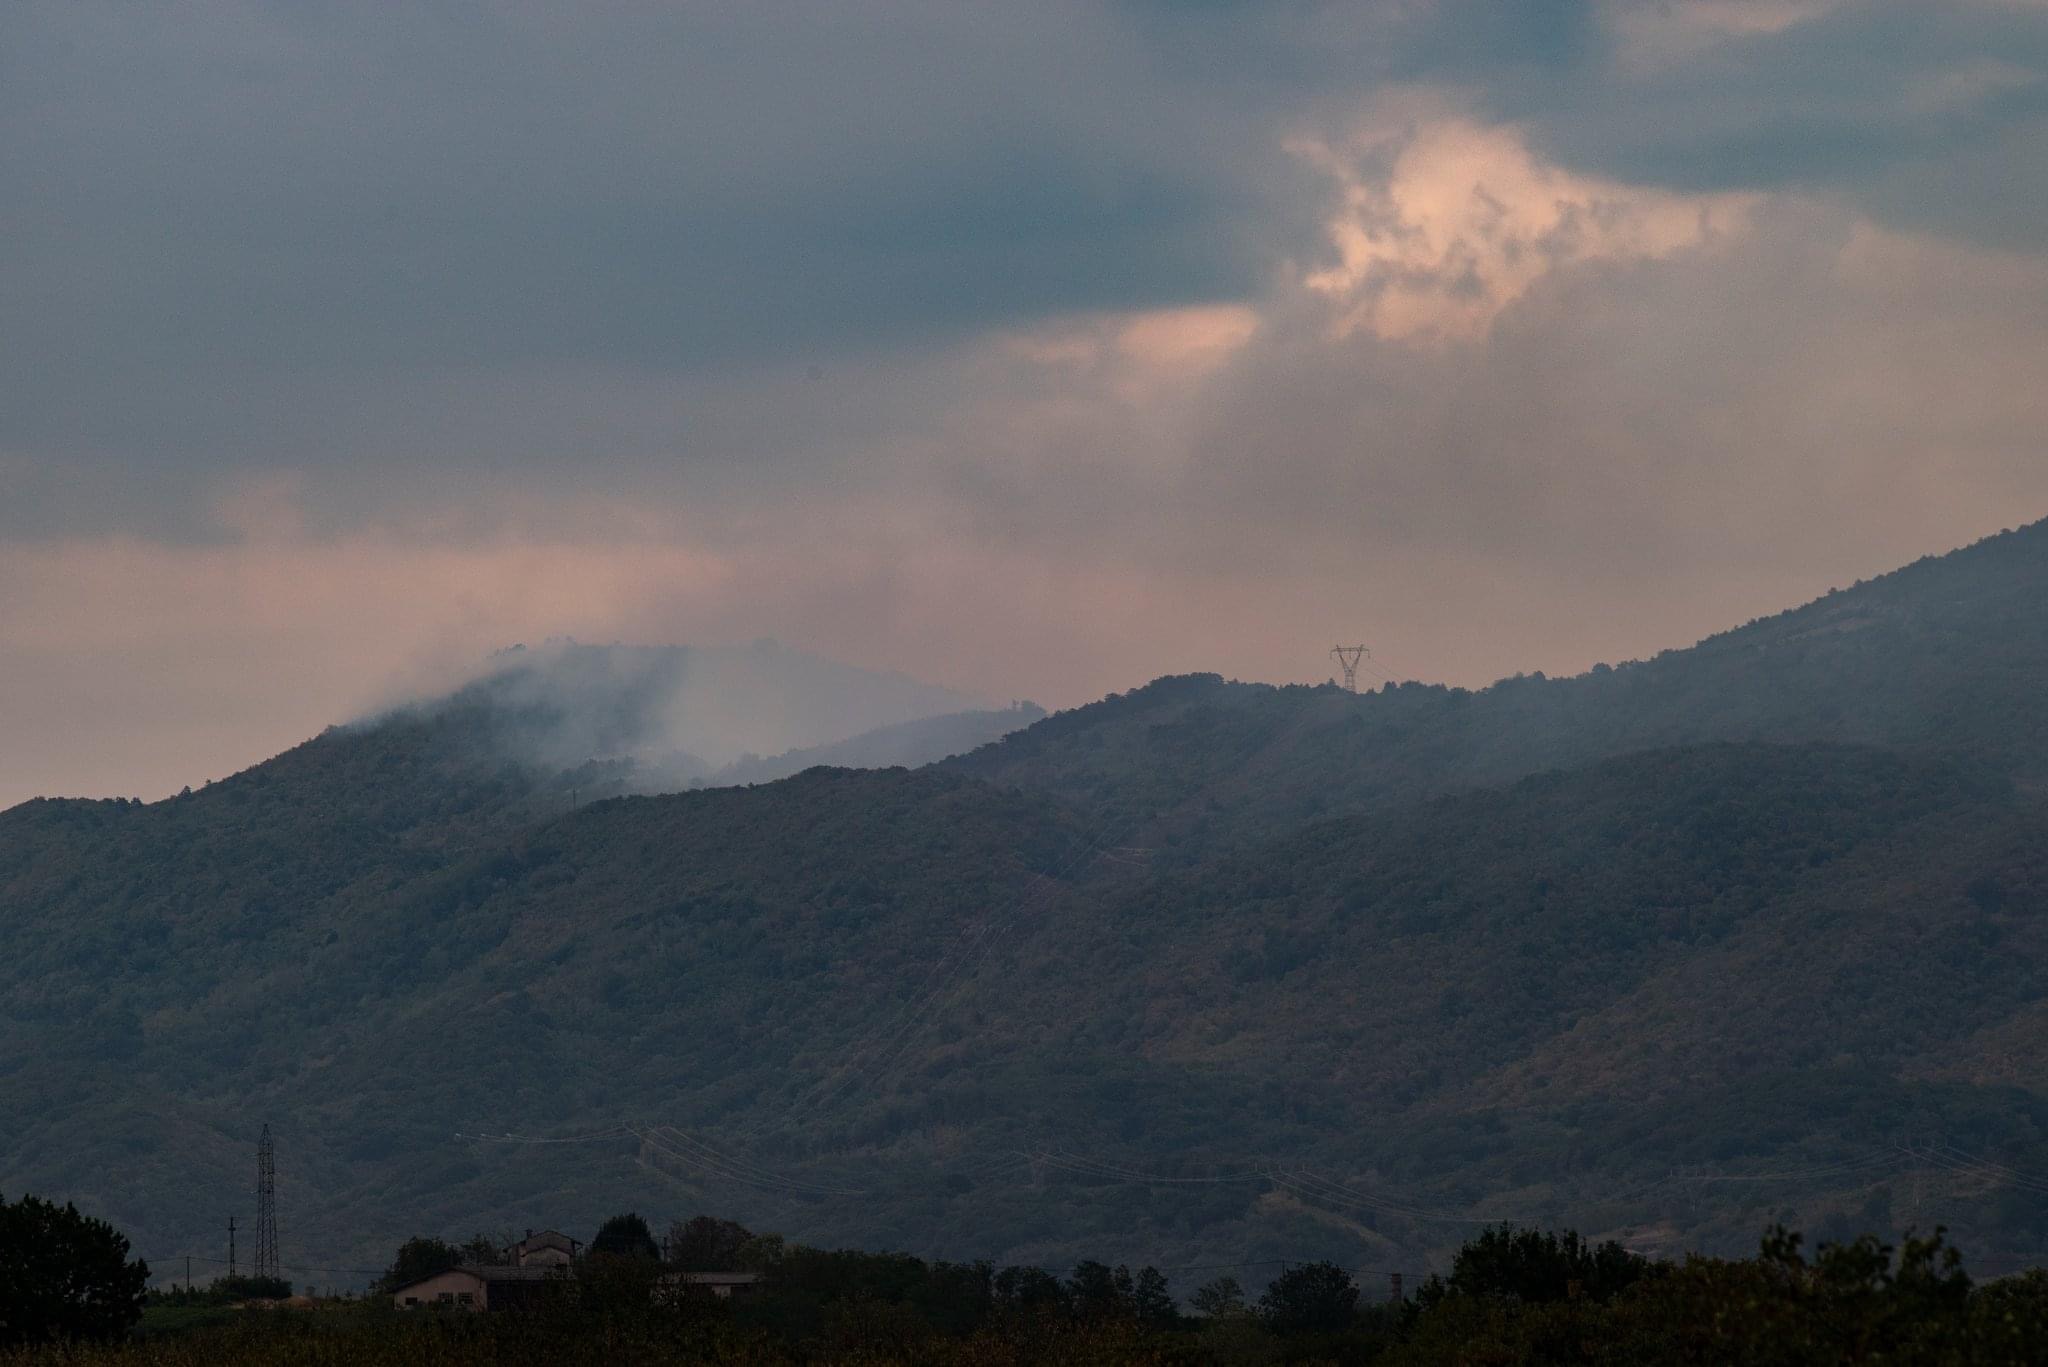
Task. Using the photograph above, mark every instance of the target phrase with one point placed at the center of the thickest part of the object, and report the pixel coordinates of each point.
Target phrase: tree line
(1511, 1295)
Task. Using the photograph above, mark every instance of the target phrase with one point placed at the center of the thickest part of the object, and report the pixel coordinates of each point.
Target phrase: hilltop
(1944, 656)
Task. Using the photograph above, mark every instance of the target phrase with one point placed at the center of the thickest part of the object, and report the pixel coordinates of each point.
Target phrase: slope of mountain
(906, 745)
(683, 710)
(641, 956)
(1947, 654)
(1201, 973)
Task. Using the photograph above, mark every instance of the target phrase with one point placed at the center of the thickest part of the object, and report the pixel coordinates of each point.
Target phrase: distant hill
(1203, 973)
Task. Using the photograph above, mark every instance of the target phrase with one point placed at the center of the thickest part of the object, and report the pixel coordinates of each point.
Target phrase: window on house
(464, 1298)
(412, 1300)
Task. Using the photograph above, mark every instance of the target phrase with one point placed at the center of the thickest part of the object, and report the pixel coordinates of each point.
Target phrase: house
(470, 1287)
(549, 1248)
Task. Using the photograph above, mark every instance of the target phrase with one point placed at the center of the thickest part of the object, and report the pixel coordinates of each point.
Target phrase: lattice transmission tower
(266, 1206)
(1348, 657)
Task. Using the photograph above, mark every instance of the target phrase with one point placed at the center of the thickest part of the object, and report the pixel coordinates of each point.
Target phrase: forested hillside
(1947, 655)
(1201, 973)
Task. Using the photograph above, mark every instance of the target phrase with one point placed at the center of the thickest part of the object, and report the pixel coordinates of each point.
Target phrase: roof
(546, 1236)
(528, 1273)
(490, 1274)
(408, 1285)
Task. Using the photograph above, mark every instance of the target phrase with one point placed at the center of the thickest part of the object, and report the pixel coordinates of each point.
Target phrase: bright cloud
(1463, 220)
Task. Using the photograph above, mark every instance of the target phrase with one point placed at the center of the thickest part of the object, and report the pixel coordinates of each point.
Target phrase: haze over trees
(1678, 949)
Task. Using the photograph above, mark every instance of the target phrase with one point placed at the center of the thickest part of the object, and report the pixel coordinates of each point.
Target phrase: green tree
(64, 1275)
(625, 1236)
(1315, 1298)
(419, 1256)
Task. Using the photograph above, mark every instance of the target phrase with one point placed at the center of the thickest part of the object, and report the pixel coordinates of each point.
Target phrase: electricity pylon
(1348, 657)
(266, 1206)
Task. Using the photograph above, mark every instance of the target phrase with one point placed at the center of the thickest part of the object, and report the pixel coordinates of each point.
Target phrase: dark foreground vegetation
(1512, 1295)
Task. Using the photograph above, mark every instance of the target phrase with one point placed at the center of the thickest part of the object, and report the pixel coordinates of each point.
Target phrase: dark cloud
(221, 198)
(248, 232)
(1462, 39)
(1896, 104)
(1019, 347)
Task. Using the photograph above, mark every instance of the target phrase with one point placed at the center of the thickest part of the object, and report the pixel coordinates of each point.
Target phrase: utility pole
(1348, 657)
(231, 1247)
(266, 1205)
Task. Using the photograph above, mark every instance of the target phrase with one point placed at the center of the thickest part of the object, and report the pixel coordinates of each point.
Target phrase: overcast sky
(1031, 349)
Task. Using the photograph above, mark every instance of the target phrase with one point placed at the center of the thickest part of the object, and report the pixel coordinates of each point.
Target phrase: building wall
(544, 1255)
(446, 1289)
(550, 1248)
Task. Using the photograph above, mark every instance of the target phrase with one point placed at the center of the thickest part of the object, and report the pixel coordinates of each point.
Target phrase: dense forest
(1206, 972)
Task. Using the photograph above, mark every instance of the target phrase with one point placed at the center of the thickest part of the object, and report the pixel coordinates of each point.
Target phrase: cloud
(1876, 101)
(1466, 221)
(240, 212)
(1013, 348)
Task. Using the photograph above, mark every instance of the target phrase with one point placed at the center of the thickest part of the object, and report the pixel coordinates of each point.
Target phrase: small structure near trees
(433, 1274)
(471, 1287)
(549, 1248)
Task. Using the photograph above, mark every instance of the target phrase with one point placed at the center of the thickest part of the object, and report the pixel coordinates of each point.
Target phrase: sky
(1031, 350)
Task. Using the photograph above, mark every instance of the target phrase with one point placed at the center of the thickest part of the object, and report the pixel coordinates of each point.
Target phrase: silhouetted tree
(1028, 1289)
(419, 1256)
(704, 1244)
(64, 1275)
(1536, 1266)
(1093, 1292)
(1315, 1298)
(625, 1236)
(483, 1251)
(1219, 1299)
(1151, 1301)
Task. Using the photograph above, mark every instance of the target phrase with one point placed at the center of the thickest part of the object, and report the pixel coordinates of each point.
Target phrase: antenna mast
(266, 1206)
(1348, 657)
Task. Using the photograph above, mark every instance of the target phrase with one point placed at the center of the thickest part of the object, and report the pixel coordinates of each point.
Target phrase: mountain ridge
(1366, 966)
